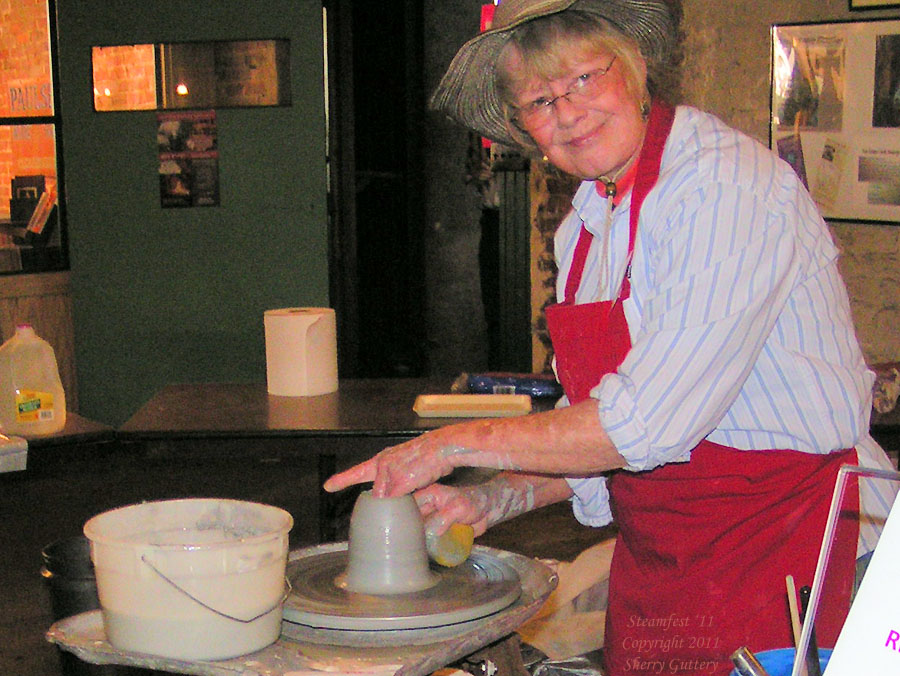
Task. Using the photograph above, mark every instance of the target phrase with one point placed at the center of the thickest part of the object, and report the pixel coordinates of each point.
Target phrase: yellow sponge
(451, 548)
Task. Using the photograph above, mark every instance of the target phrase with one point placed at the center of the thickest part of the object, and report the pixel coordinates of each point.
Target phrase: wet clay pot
(387, 552)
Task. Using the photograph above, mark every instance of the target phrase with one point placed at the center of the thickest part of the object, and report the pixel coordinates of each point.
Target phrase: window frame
(54, 120)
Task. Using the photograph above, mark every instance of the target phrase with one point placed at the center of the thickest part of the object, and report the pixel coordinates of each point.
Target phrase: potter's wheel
(319, 610)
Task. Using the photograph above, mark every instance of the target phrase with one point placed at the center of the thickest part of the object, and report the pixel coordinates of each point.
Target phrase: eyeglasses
(581, 90)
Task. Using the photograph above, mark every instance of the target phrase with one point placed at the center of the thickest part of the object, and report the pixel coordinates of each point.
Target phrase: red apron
(703, 546)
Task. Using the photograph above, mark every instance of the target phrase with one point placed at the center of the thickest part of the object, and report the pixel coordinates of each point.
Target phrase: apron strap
(658, 127)
(573, 280)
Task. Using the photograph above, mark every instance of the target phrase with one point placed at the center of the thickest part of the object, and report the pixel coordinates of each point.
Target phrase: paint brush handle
(746, 664)
(813, 666)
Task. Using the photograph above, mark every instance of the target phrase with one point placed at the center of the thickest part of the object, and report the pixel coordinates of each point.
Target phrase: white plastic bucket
(194, 579)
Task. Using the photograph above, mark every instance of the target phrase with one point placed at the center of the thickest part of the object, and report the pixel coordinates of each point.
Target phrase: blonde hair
(547, 47)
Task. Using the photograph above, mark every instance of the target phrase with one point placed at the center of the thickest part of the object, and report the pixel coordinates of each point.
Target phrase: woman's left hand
(442, 506)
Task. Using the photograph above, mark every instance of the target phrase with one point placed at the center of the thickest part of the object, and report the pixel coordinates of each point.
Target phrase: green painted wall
(178, 295)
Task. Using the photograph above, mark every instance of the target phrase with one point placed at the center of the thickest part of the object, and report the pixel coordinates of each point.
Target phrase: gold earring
(645, 109)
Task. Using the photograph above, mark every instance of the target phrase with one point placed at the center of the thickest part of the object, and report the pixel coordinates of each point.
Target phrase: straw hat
(468, 93)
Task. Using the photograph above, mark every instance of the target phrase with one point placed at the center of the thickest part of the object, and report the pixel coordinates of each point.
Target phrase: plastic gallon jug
(32, 400)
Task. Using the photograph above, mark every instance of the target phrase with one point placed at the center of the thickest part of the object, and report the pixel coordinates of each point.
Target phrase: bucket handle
(210, 608)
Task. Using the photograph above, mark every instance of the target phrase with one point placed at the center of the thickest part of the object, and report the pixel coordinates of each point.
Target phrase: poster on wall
(835, 114)
(188, 159)
(872, 4)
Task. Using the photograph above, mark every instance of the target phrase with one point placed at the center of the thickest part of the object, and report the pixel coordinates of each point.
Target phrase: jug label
(33, 406)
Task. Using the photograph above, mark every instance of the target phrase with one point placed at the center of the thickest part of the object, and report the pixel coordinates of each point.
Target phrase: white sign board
(869, 642)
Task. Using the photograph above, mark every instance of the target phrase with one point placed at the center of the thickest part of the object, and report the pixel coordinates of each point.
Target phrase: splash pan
(483, 585)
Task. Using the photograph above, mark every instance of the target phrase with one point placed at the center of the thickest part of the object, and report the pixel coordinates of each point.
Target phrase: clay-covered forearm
(564, 442)
(510, 494)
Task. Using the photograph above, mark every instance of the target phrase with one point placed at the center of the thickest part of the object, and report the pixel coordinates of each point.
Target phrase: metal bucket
(69, 575)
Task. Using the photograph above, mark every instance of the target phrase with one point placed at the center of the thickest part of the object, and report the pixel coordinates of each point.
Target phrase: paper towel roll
(301, 351)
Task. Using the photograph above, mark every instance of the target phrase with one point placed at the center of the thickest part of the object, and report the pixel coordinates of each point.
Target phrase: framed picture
(835, 114)
(872, 4)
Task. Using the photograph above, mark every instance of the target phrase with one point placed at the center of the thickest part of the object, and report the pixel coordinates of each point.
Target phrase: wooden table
(204, 421)
(80, 439)
(359, 408)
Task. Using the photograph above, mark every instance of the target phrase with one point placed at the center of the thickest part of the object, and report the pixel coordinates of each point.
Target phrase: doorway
(375, 105)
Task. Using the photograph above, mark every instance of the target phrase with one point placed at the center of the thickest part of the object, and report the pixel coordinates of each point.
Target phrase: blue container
(780, 662)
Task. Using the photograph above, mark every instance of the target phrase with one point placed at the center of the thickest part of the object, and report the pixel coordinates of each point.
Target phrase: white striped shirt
(740, 323)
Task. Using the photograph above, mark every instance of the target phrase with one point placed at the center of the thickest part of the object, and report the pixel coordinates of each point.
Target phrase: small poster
(188, 159)
(828, 178)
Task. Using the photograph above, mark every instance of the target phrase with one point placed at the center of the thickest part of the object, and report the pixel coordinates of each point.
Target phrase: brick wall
(551, 199)
(241, 73)
(726, 72)
(27, 91)
(247, 73)
(124, 77)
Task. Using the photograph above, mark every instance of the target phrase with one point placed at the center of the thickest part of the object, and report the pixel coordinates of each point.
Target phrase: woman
(703, 338)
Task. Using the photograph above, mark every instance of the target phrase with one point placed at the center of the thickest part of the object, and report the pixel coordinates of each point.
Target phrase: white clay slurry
(489, 459)
(191, 579)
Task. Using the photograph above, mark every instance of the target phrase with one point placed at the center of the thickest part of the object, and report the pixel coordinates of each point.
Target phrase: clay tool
(813, 666)
(792, 605)
(795, 614)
